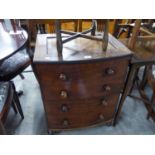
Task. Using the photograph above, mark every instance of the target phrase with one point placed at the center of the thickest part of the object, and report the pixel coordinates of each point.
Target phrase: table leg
(128, 86)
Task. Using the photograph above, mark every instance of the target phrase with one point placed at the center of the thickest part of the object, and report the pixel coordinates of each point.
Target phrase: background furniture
(42, 26)
(73, 35)
(142, 43)
(14, 56)
(11, 42)
(2, 129)
(82, 87)
(149, 80)
(84, 24)
(8, 98)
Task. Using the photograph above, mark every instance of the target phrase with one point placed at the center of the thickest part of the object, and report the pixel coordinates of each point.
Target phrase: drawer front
(81, 80)
(80, 113)
(81, 92)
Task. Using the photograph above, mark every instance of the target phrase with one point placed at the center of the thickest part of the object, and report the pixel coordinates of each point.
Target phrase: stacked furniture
(83, 86)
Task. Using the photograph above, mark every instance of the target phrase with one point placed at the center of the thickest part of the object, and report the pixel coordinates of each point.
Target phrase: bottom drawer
(80, 113)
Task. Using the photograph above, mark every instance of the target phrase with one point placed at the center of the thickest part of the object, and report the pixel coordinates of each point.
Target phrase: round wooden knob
(110, 71)
(107, 88)
(101, 117)
(62, 76)
(65, 122)
(63, 94)
(104, 102)
(64, 108)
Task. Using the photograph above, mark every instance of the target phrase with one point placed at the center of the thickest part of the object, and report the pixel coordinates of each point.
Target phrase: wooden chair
(8, 98)
(122, 27)
(149, 80)
(86, 23)
(83, 34)
(36, 26)
(142, 43)
(125, 27)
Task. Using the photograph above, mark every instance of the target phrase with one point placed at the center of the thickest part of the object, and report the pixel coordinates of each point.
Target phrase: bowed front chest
(83, 86)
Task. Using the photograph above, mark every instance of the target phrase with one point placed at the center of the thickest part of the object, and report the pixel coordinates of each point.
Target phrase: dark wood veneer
(79, 92)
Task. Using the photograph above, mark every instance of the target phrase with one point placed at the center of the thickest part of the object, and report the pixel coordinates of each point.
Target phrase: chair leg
(2, 129)
(151, 104)
(20, 93)
(144, 79)
(22, 76)
(16, 100)
(134, 80)
(14, 107)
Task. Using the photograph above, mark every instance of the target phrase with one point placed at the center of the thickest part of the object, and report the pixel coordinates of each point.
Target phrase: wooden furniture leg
(128, 86)
(2, 129)
(16, 100)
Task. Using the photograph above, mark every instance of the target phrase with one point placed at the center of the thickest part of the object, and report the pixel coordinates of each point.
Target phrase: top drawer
(60, 73)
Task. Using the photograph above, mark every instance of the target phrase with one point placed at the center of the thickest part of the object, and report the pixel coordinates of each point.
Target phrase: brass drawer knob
(101, 117)
(65, 122)
(107, 88)
(64, 108)
(104, 102)
(110, 71)
(63, 94)
(62, 76)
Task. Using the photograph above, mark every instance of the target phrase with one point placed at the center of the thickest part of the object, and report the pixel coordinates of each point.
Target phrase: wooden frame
(137, 63)
(74, 35)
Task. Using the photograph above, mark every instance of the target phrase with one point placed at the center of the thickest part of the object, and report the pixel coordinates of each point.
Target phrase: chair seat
(13, 66)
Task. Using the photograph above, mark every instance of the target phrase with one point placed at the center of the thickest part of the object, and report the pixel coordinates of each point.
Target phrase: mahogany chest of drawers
(83, 86)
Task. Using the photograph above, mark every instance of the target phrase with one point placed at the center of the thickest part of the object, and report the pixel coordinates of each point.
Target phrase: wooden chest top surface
(77, 50)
